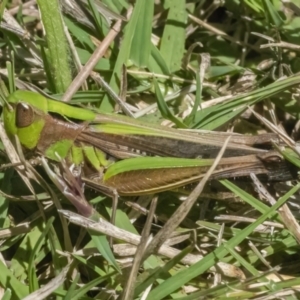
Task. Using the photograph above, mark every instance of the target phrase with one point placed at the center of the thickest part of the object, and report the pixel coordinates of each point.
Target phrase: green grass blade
(126, 49)
(7, 295)
(4, 202)
(173, 39)
(11, 80)
(191, 116)
(18, 289)
(164, 109)
(32, 275)
(57, 44)
(255, 203)
(141, 22)
(2, 8)
(273, 16)
(291, 156)
(99, 20)
(72, 289)
(157, 64)
(81, 292)
(162, 271)
(102, 245)
(197, 269)
(215, 116)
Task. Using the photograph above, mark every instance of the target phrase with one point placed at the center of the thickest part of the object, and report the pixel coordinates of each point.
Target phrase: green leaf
(2, 8)
(9, 281)
(103, 246)
(272, 15)
(81, 35)
(141, 26)
(213, 117)
(157, 63)
(20, 266)
(32, 272)
(57, 44)
(125, 52)
(164, 109)
(173, 39)
(102, 65)
(291, 156)
(7, 295)
(161, 271)
(178, 280)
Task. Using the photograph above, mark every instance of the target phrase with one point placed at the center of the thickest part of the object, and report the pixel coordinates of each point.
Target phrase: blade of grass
(141, 25)
(9, 281)
(182, 277)
(173, 38)
(163, 107)
(136, 31)
(32, 274)
(57, 44)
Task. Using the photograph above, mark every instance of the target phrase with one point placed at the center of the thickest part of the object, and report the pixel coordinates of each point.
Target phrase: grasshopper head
(23, 116)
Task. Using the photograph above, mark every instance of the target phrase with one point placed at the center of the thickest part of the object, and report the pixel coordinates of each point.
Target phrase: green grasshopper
(131, 156)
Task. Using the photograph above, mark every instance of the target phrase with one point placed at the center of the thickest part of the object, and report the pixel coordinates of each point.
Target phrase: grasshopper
(131, 156)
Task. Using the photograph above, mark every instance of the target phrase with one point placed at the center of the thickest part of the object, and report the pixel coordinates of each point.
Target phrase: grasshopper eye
(24, 115)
